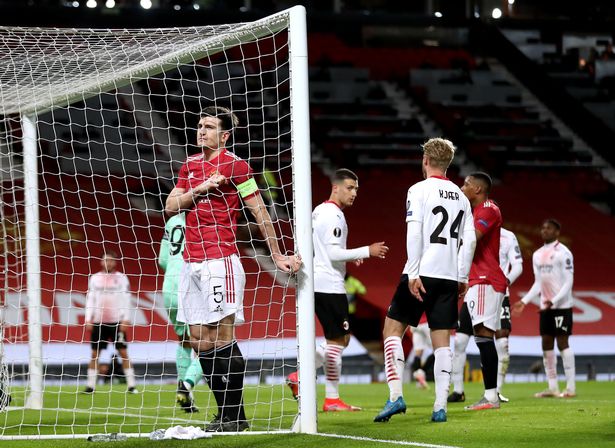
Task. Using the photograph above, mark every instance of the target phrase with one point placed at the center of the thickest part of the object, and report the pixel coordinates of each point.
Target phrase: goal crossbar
(39, 93)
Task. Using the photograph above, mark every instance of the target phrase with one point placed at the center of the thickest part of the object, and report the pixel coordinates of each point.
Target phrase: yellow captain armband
(247, 188)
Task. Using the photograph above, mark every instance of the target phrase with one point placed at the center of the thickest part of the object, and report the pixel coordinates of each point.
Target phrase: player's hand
(210, 184)
(517, 309)
(415, 286)
(378, 250)
(358, 262)
(548, 305)
(288, 263)
(462, 289)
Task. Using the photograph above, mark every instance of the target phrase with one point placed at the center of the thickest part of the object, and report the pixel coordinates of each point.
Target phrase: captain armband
(247, 188)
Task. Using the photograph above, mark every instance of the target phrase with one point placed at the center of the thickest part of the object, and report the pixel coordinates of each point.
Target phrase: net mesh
(116, 114)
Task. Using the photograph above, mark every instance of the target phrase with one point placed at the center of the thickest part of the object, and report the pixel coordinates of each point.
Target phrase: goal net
(94, 127)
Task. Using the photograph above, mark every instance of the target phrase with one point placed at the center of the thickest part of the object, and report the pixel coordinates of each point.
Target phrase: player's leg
(122, 349)
(442, 315)
(548, 333)
(183, 354)
(462, 338)
(566, 353)
(96, 345)
(404, 308)
(484, 305)
(501, 345)
(332, 312)
(421, 341)
(212, 329)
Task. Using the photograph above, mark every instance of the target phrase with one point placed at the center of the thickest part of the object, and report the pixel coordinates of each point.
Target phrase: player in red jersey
(212, 280)
(487, 283)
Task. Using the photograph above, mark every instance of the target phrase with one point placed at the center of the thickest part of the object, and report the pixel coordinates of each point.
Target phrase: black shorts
(439, 304)
(465, 321)
(104, 333)
(556, 322)
(332, 312)
(505, 315)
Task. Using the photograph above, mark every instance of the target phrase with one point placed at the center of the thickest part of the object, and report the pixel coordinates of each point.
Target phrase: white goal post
(94, 126)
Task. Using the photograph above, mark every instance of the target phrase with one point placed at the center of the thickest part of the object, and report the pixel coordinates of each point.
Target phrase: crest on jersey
(337, 232)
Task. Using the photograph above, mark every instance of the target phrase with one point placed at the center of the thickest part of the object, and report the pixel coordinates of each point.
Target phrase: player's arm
(181, 199)
(568, 275)
(256, 205)
(124, 305)
(90, 304)
(414, 240)
(466, 251)
(163, 254)
(532, 293)
(516, 262)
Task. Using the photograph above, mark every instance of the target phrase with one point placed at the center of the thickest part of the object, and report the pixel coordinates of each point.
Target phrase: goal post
(95, 126)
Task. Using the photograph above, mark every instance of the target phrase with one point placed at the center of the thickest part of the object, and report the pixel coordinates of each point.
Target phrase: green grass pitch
(585, 421)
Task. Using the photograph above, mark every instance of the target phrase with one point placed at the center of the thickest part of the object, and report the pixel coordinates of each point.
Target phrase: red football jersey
(211, 225)
(486, 263)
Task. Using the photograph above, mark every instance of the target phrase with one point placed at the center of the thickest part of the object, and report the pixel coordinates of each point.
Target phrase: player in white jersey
(107, 306)
(440, 245)
(553, 278)
(511, 263)
(330, 232)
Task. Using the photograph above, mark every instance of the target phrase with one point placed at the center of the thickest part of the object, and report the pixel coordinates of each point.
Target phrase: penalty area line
(394, 442)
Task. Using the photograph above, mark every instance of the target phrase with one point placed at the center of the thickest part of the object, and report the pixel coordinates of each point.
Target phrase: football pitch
(585, 421)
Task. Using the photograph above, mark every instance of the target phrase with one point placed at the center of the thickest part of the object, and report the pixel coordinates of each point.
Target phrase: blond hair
(440, 152)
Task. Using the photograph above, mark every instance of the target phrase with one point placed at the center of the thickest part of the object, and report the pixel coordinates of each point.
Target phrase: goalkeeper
(170, 259)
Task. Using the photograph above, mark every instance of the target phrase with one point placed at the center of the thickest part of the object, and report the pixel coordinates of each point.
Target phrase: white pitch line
(394, 442)
(116, 414)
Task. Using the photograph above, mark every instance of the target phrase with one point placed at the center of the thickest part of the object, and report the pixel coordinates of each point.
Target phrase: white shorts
(484, 305)
(421, 337)
(211, 290)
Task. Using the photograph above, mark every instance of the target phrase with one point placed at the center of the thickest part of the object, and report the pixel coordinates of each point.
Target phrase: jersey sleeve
(485, 219)
(125, 299)
(514, 251)
(243, 179)
(90, 301)
(534, 291)
(182, 181)
(414, 204)
(467, 244)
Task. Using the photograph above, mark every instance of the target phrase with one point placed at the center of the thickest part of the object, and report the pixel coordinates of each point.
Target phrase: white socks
(130, 377)
(442, 367)
(333, 369)
(394, 366)
(569, 369)
(459, 361)
(92, 376)
(501, 345)
(550, 362)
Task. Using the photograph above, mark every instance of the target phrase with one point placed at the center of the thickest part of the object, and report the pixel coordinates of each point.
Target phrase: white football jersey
(108, 298)
(510, 253)
(330, 254)
(446, 217)
(553, 276)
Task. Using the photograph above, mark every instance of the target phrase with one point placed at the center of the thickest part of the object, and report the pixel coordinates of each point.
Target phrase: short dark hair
(342, 174)
(484, 178)
(227, 118)
(110, 253)
(554, 222)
